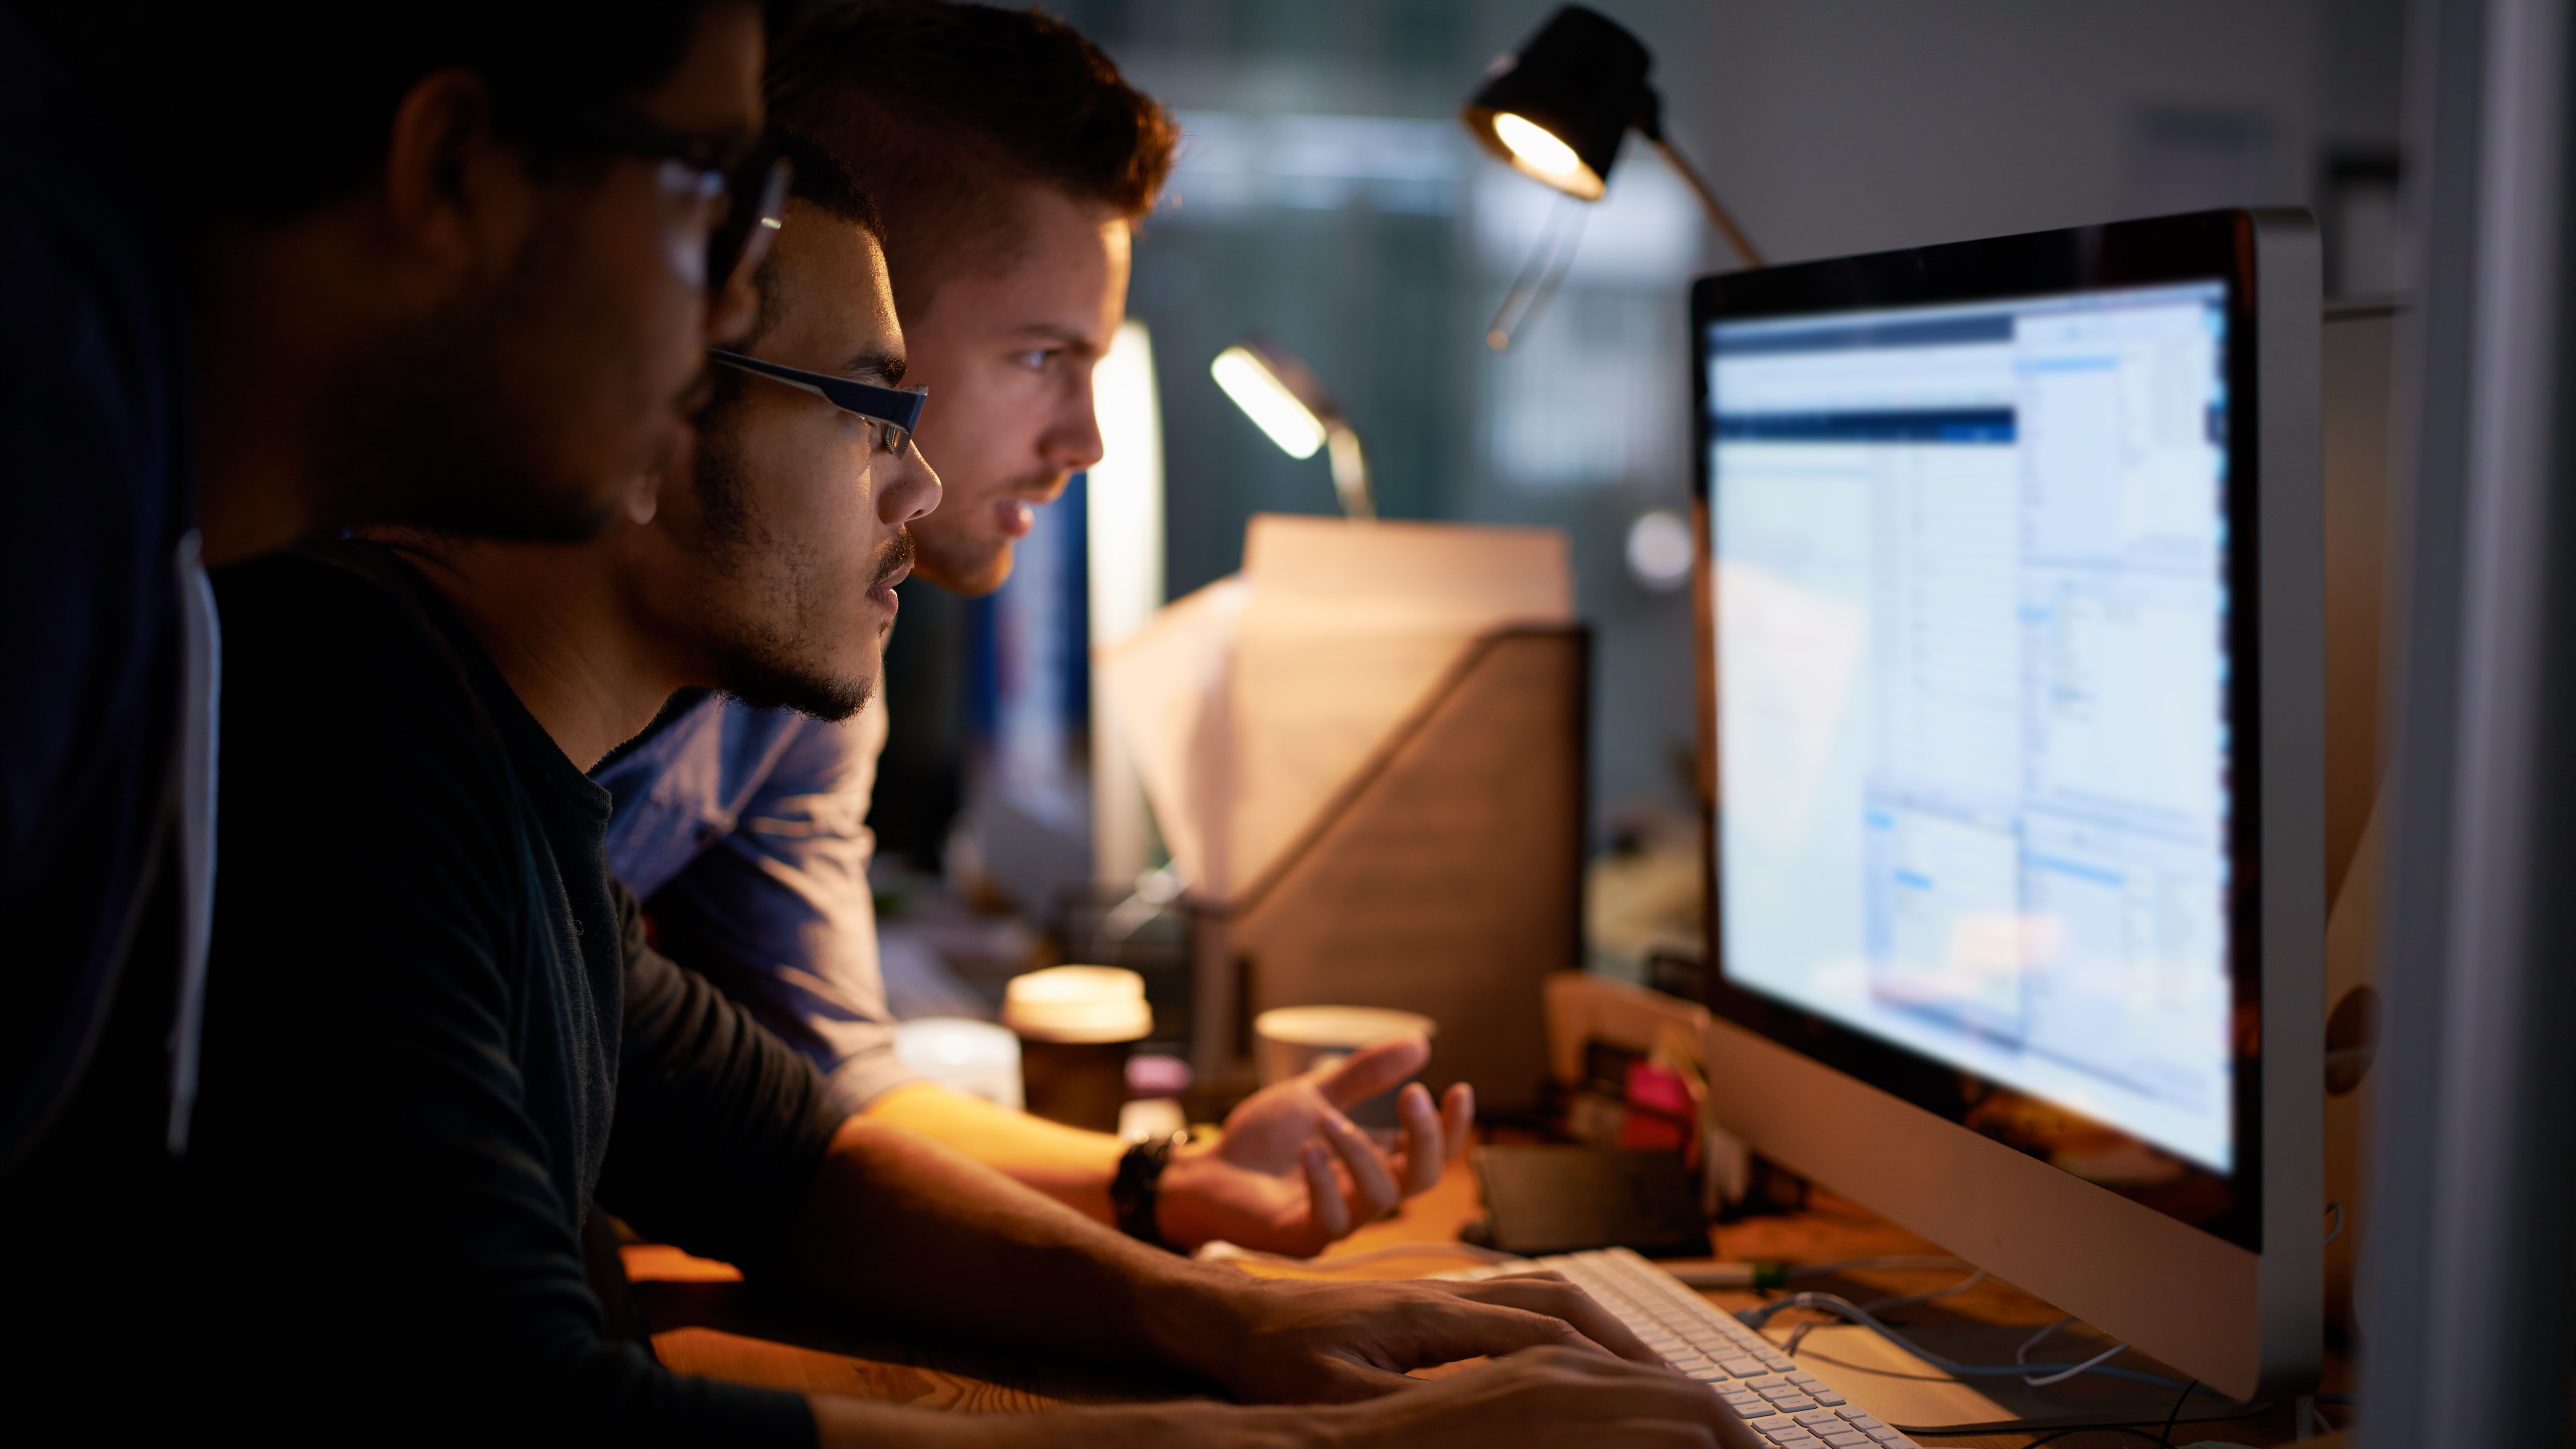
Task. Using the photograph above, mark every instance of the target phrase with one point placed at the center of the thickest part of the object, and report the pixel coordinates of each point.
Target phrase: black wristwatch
(1136, 1188)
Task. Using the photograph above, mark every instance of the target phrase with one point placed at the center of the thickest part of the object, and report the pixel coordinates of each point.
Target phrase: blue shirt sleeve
(748, 834)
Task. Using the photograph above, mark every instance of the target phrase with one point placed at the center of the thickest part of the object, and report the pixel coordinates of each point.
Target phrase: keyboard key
(1775, 1392)
(1859, 1418)
(1797, 1438)
(1826, 1397)
(1847, 1439)
(1797, 1405)
(1707, 1375)
(1740, 1366)
(1812, 1418)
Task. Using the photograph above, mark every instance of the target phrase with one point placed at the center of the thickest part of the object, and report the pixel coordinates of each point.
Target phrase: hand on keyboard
(1786, 1406)
(1309, 1342)
(1548, 1398)
(1553, 1295)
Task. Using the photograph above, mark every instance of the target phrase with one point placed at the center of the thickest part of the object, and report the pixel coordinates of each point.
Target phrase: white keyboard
(1789, 1406)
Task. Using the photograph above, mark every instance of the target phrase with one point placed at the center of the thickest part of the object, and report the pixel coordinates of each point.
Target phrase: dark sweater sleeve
(720, 1126)
(365, 1137)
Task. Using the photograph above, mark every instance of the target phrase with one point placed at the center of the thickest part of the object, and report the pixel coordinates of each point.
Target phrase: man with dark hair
(1011, 161)
(463, 1029)
(274, 268)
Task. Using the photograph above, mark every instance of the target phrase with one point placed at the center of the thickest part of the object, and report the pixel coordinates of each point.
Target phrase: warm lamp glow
(1534, 144)
(1268, 402)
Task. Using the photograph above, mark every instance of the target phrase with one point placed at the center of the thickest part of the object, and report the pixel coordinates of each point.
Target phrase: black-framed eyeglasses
(895, 410)
(750, 181)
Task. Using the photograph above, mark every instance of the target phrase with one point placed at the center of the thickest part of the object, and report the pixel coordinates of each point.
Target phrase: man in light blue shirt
(1010, 162)
(747, 830)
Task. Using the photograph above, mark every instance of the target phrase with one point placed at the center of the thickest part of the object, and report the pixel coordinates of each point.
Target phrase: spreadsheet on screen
(1972, 656)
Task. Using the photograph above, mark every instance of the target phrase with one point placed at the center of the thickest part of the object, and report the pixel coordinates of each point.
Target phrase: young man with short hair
(1012, 162)
(461, 1028)
(275, 268)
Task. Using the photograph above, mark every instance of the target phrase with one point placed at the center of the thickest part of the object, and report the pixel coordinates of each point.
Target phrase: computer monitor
(2012, 667)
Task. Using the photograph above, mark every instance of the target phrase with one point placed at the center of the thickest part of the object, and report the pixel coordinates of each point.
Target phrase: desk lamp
(1282, 397)
(1557, 109)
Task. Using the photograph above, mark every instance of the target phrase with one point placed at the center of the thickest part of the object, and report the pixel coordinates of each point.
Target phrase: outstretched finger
(1324, 1202)
(1373, 1191)
(1425, 1149)
(1372, 1069)
(1457, 1115)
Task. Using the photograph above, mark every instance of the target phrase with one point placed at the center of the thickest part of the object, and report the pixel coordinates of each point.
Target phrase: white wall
(1837, 126)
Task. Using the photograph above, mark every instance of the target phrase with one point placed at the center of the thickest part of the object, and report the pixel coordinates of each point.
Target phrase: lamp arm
(1741, 244)
(1350, 470)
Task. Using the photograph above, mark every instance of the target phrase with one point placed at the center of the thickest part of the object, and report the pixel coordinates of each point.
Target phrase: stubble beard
(967, 564)
(429, 431)
(759, 660)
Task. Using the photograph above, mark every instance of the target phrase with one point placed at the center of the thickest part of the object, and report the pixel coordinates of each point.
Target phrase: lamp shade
(1557, 108)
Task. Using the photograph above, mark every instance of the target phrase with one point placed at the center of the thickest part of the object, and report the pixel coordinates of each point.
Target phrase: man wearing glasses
(1012, 160)
(277, 268)
(464, 1028)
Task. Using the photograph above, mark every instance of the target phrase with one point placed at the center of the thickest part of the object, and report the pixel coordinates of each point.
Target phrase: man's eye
(1036, 360)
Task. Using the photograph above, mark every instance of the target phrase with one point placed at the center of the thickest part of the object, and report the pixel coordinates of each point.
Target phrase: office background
(1325, 195)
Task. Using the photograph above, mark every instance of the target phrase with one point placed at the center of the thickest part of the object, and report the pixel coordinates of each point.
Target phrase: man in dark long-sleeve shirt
(429, 1056)
(270, 268)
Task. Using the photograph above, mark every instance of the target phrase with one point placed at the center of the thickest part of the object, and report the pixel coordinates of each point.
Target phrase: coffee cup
(1076, 1026)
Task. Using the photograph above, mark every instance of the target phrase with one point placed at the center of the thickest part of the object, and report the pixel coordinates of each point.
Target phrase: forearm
(1066, 1163)
(841, 1423)
(899, 1227)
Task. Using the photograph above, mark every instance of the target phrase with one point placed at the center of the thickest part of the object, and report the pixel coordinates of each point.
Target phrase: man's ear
(455, 194)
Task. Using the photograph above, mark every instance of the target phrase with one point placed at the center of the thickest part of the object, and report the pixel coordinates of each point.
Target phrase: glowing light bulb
(1268, 402)
(1536, 145)
(1659, 551)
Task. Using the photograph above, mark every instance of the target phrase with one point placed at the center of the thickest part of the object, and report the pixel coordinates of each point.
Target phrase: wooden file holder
(1445, 878)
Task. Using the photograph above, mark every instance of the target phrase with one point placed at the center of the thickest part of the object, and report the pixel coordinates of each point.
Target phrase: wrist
(1198, 1317)
(1136, 1188)
(1180, 1207)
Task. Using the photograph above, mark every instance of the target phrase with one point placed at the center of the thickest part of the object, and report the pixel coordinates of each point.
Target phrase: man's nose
(1072, 442)
(913, 491)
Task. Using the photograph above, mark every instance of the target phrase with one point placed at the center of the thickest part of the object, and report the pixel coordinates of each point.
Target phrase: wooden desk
(705, 1323)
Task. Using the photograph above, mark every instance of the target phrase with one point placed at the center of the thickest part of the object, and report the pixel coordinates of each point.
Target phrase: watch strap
(1137, 1189)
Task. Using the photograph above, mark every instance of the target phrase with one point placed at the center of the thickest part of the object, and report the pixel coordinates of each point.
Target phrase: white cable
(2022, 1355)
(1830, 1303)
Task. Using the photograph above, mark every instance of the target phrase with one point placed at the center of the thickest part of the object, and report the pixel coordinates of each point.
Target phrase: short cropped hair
(822, 182)
(940, 109)
(259, 110)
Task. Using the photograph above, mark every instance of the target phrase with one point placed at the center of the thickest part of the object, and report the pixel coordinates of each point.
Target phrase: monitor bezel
(2213, 247)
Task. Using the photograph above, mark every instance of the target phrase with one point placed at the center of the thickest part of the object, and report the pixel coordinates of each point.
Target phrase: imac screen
(1972, 637)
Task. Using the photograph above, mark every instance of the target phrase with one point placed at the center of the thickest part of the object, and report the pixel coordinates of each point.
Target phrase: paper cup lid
(1342, 1027)
(1078, 1004)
